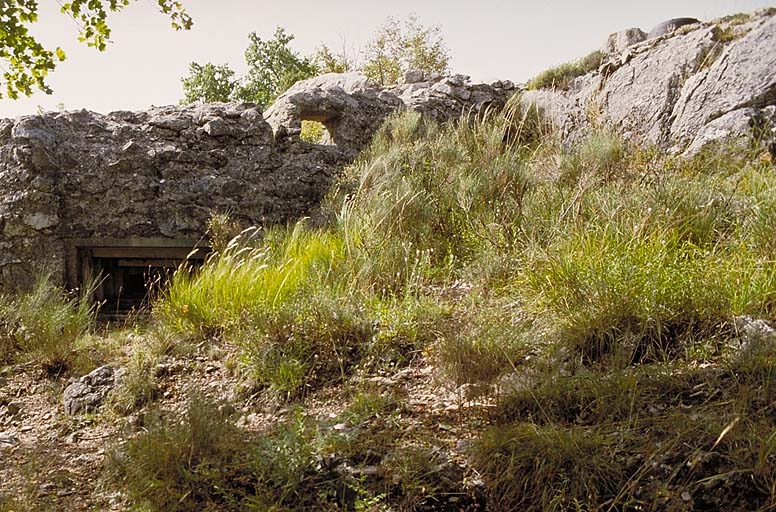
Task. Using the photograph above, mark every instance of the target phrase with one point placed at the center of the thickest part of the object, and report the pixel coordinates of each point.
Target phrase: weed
(192, 464)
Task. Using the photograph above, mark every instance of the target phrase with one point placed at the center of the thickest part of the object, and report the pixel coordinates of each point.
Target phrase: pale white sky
(488, 39)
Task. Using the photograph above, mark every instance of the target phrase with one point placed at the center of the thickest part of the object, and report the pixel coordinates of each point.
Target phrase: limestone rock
(352, 107)
(681, 90)
(619, 41)
(743, 76)
(349, 105)
(88, 392)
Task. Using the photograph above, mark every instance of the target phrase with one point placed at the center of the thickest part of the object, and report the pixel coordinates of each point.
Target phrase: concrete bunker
(129, 271)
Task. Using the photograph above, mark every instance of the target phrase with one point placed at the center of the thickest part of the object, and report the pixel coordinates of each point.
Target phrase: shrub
(312, 132)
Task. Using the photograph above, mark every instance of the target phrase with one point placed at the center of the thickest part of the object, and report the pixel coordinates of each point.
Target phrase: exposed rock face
(683, 90)
(161, 174)
(349, 105)
(620, 41)
(352, 107)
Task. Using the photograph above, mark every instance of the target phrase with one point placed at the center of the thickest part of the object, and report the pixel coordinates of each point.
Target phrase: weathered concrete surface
(163, 173)
(697, 85)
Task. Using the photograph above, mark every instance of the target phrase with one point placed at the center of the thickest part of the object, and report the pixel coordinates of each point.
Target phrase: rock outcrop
(690, 87)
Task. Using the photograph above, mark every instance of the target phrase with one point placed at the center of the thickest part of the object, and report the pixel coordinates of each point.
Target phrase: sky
(487, 39)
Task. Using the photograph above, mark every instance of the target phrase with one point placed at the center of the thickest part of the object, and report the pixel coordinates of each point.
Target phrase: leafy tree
(208, 83)
(273, 67)
(25, 62)
(399, 47)
(327, 62)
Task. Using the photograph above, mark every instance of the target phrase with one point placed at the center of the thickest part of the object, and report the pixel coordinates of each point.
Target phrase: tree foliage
(327, 61)
(401, 46)
(25, 62)
(208, 83)
(273, 67)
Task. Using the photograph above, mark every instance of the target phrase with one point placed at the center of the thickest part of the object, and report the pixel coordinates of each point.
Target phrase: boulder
(670, 26)
(352, 107)
(617, 43)
(349, 105)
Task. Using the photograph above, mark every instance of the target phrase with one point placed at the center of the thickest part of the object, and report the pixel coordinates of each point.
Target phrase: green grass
(560, 77)
(45, 324)
(597, 285)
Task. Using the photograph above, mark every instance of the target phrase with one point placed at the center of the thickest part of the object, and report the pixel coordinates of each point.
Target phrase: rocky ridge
(700, 84)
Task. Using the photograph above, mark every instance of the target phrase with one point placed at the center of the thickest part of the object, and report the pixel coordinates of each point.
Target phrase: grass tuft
(560, 77)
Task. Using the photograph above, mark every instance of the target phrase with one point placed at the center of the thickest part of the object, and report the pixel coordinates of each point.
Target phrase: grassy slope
(591, 293)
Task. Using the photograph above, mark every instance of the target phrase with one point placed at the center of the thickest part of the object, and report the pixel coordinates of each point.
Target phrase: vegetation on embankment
(592, 293)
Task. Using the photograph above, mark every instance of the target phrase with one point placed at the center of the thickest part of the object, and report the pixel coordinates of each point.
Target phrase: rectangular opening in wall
(130, 269)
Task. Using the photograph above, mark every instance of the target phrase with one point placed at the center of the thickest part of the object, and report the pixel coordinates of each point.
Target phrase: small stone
(13, 408)
(45, 488)
(226, 409)
(462, 445)
(6, 441)
(686, 496)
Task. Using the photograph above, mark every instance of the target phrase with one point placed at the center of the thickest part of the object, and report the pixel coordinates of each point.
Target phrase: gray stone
(753, 333)
(41, 220)
(8, 441)
(670, 26)
(352, 107)
(88, 392)
(680, 92)
(733, 126)
(413, 76)
(349, 105)
(619, 41)
(743, 76)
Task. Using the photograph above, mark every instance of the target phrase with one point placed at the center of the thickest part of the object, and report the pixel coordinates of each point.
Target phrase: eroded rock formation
(696, 85)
